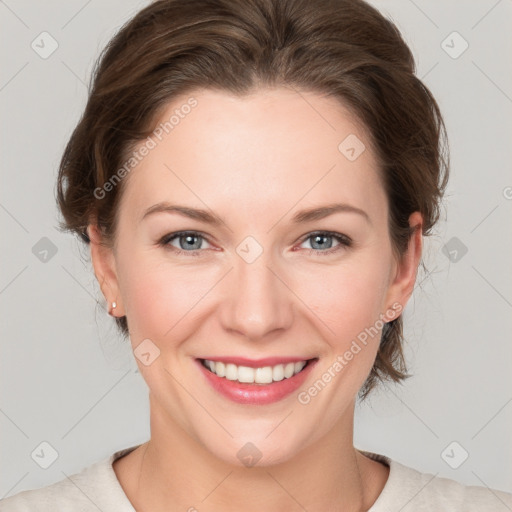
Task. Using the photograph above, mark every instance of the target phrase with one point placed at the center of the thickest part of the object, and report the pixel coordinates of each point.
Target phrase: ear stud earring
(111, 312)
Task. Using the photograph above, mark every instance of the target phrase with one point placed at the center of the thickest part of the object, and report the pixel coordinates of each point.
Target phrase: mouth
(261, 375)
(255, 382)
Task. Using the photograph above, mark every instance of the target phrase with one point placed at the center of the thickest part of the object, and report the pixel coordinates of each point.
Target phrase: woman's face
(255, 277)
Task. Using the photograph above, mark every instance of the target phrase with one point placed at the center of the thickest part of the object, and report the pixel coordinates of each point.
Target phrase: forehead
(272, 149)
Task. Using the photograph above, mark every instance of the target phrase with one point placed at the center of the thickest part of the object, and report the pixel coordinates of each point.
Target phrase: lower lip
(256, 394)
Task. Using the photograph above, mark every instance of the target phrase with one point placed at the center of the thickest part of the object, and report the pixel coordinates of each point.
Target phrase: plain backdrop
(67, 378)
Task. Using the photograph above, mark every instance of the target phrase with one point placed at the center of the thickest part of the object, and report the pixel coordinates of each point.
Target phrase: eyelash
(344, 241)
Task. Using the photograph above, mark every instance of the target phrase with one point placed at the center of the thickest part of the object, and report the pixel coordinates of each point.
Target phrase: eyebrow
(324, 211)
(303, 216)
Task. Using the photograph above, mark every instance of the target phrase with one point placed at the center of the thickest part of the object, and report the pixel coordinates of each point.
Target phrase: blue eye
(190, 242)
(320, 240)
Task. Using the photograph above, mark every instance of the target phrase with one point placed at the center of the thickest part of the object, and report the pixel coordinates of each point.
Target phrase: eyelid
(344, 241)
(334, 234)
(165, 241)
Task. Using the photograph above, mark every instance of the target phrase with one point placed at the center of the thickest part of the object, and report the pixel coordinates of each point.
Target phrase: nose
(258, 303)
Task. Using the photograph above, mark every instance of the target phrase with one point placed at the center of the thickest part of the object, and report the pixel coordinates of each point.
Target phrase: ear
(103, 261)
(405, 271)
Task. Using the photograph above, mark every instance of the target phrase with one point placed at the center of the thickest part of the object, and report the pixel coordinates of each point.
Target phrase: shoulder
(409, 490)
(94, 488)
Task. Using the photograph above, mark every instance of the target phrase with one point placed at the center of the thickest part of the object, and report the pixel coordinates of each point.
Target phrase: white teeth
(288, 370)
(263, 375)
(299, 366)
(278, 372)
(231, 371)
(218, 368)
(246, 374)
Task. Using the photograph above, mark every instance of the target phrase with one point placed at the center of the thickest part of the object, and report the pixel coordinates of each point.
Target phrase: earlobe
(103, 262)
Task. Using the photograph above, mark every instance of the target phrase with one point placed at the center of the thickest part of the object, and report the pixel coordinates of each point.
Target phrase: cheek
(161, 298)
(347, 304)
(346, 299)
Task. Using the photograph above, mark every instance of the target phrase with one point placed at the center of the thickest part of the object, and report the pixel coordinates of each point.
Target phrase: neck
(174, 470)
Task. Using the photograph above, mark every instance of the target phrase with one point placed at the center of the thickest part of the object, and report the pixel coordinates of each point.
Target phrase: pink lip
(256, 394)
(257, 363)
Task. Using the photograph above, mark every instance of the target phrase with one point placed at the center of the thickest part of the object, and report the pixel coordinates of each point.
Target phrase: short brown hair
(342, 48)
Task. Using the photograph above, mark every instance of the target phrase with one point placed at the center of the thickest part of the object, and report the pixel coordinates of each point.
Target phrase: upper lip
(257, 363)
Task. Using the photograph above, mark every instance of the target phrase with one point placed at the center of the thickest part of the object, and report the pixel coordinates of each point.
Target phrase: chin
(250, 454)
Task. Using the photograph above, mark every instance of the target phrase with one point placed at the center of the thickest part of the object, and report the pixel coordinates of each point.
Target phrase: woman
(254, 179)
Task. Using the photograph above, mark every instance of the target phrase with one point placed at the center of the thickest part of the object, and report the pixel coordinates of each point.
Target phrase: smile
(248, 375)
(251, 382)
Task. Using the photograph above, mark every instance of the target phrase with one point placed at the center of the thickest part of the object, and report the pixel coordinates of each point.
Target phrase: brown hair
(341, 48)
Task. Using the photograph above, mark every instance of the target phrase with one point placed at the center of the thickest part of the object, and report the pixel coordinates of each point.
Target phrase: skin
(254, 162)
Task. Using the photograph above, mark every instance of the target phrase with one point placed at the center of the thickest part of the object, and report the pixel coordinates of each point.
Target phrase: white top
(406, 490)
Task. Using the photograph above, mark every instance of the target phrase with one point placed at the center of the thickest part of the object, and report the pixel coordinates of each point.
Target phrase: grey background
(67, 378)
